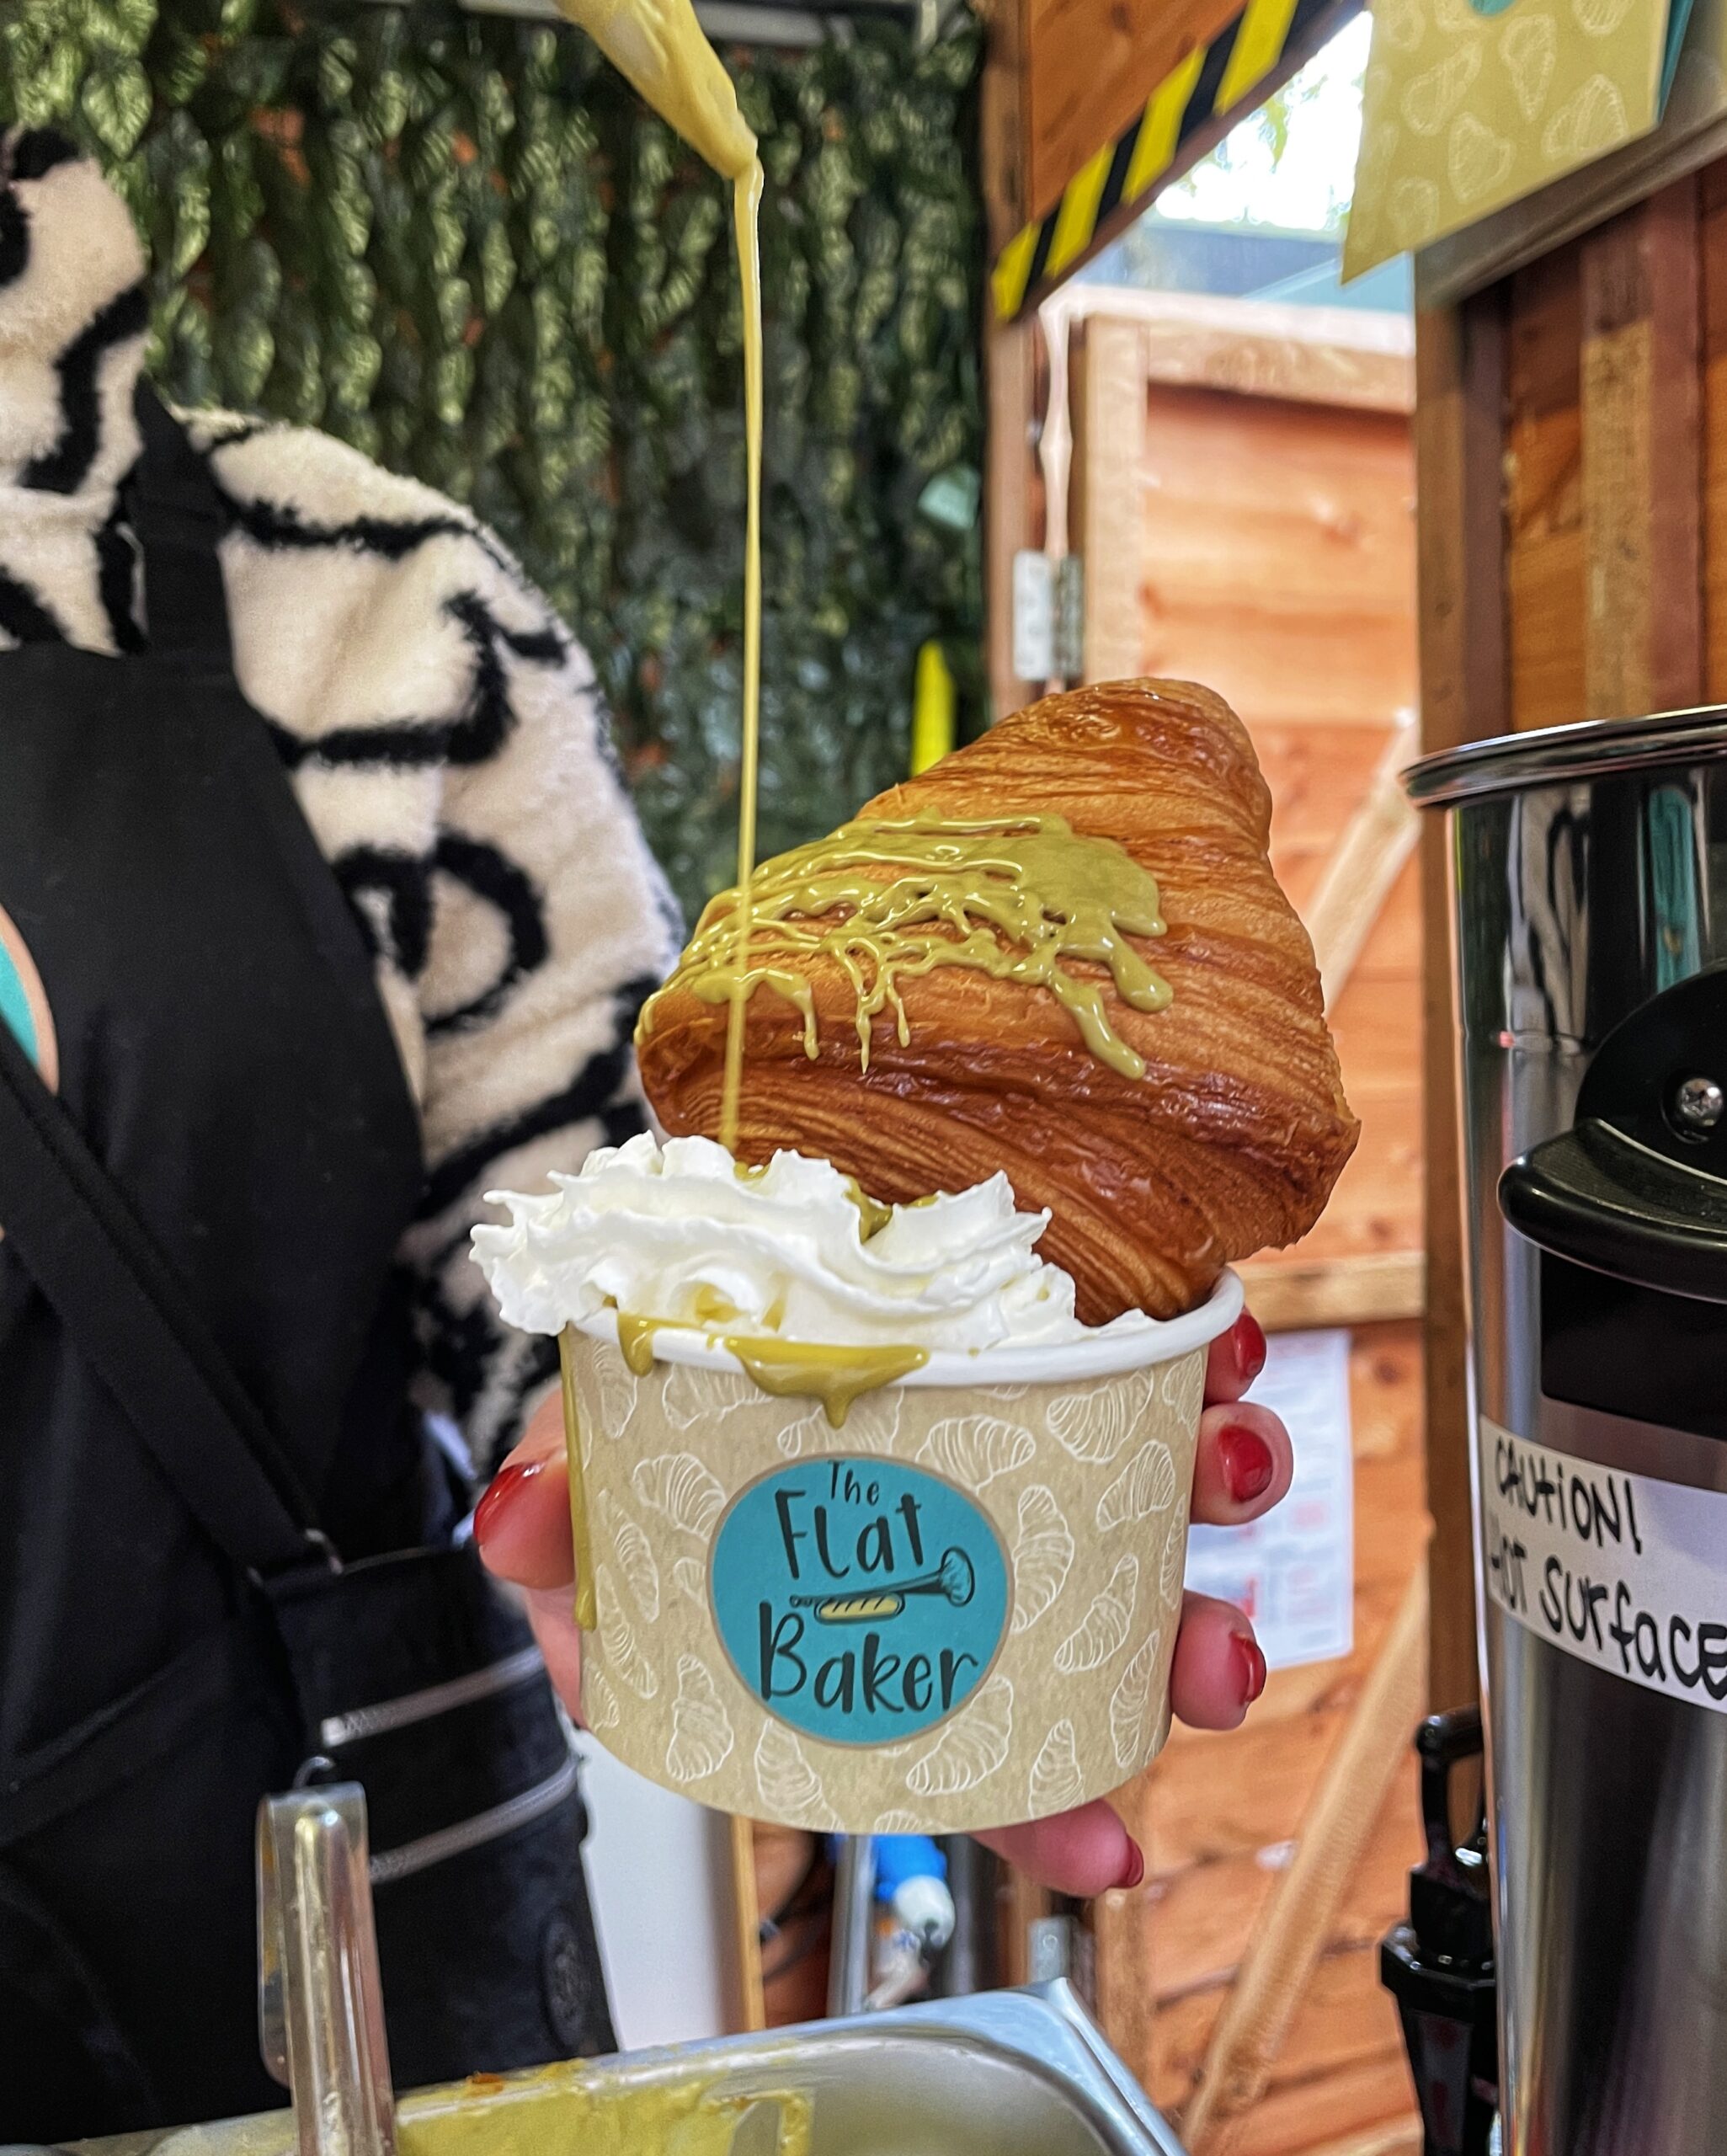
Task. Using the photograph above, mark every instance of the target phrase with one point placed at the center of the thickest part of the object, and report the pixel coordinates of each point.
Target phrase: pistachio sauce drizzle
(659, 45)
(1016, 897)
(836, 1376)
(587, 1612)
(636, 1341)
(746, 209)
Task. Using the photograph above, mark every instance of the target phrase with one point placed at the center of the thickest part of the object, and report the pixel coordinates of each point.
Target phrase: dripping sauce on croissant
(1152, 1067)
(1012, 896)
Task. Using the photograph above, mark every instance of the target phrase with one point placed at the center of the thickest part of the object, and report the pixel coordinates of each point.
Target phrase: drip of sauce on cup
(834, 1374)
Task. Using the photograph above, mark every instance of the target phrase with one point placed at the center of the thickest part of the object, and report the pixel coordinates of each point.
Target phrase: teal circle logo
(859, 1599)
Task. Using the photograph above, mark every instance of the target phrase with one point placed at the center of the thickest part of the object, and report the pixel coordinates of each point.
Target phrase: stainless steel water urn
(1590, 880)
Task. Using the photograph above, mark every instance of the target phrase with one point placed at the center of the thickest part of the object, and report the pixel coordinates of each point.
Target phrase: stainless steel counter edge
(1044, 2026)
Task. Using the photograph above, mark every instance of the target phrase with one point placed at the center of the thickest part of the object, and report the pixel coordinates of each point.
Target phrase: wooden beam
(1271, 1979)
(1012, 494)
(1642, 460)
(1369, 331)
(1460, 373)
(1255, 363)
(1124, 1930)
(1109, 367)
(1345, 356)
(1712, 249)
(1376, 842)
(1404, 2137)
(1009, 350)
(1374, 1288)
(1002, 94)
(746, 1914)
(1544, 569)
(1023, 1903)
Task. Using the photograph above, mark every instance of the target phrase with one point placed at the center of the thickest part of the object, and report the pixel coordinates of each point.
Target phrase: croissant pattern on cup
(1231, 1140)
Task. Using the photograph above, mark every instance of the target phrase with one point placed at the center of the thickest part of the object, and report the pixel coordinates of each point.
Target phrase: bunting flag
(1251, 53)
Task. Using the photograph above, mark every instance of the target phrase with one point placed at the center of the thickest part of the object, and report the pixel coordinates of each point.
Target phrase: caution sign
(1260, 45)
(1621, 1571)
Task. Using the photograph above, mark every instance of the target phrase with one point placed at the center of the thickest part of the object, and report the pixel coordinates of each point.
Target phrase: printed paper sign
(1293, 1571)
(1471, 104)
(860, 1600)
(1619, 1570)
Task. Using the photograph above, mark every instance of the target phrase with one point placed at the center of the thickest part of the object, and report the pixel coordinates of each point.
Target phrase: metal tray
(1004, 2073)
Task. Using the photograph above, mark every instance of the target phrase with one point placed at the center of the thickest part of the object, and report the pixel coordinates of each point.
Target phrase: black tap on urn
(1439, 1966)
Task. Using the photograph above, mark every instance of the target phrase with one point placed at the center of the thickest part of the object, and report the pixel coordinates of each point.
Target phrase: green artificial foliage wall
(461, 242)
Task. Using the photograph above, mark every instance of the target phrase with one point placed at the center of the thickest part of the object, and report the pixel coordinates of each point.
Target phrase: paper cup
(958, 1611)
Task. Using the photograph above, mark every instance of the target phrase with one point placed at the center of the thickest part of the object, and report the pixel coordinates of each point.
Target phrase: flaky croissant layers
(1229, 1143)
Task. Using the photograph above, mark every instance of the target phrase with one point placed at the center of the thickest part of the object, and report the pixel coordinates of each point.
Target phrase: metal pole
(320, 2010)
(853, 1926)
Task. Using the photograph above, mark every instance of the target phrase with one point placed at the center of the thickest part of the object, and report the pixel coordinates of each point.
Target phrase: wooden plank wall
(1572, 446)
(1460, 403)
(1277, 565)
(1712, 372)
(1606, 392)
(1216, 1817)
(1264, 543)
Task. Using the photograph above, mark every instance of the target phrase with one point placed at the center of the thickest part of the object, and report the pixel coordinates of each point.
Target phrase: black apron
(199, 994)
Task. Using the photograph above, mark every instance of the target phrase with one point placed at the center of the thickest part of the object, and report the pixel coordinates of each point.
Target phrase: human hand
(1243, 1467)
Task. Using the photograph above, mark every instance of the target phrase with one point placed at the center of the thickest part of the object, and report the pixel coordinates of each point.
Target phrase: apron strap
(177, 516)
(125, 1310)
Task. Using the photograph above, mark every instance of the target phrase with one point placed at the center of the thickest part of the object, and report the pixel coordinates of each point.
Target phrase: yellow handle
(587, 1608)
(932, 717)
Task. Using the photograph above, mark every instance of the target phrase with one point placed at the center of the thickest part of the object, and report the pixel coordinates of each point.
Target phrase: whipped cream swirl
(678, 1234)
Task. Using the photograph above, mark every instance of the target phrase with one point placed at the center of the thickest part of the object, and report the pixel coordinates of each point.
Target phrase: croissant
(1173, 1098)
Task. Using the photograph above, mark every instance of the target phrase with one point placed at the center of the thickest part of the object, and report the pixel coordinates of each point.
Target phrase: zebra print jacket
(442, 730)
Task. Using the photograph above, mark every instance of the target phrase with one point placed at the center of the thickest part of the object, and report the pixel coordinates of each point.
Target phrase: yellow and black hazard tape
(1209, 82)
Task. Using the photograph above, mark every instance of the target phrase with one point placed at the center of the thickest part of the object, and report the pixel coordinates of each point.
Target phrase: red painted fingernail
(1133, 1871)
(507, 1485)
(1249, 1346)
(1248, 1464)
(1251, 1667)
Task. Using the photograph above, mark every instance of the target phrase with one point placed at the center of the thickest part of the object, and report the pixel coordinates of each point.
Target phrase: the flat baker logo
(860, 1600)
